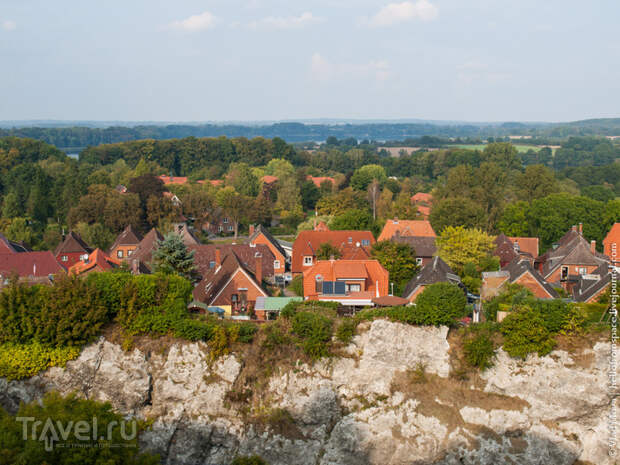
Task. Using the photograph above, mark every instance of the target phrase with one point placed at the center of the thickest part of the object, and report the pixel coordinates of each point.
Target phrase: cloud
(474, 71)
(323, 70)
(8, 25)
(395, 13)
(288, 22)
(195, 23)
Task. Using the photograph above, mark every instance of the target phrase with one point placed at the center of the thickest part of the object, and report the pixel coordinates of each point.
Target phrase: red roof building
(96, 261)
(318, 180)
(349, 282)
(423, 202)
(611, 243)
(125, 243)
(307, 244)
(71, 250)
(173, 179)
(31, 267)
(205, 257)
(419, 228)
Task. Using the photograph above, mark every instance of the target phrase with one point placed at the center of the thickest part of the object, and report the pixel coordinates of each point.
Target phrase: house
(178, 180)
(219, 223)
(350, 244)
(72, 250)
(420, 228)
(509, 248)
(125, 243)
(29, 267)
(611, 243)
(423, 202)
(352, 283)
(318, 180)
(590, 287)
(96, 261)
(173, 198)
(519, 271)
(424, 247)
(186, 234)
(260, 235)
(231, 285)
(140, 261)
(569, 258)
(268, 308)
(8, 246)
(206, 257)
(437, 271)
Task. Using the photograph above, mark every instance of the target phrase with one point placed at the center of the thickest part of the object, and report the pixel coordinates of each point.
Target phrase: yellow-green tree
(457, 246)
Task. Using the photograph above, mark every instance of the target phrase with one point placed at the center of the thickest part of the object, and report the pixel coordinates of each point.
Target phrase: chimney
(593, 247)
(395, 220)
(574, 228)
(251, 229)
(258, 272)
(581, 228)
(218, 257)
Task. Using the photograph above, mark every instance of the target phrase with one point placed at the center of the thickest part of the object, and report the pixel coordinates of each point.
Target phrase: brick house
(590, 287)
(96, 261)
(318, 180)
(140, 260)
(29, 267)
(424, 247)
(519, 271)
(509, 248)
(420, 228)
(125, 243)
(352, 283)
(205, 257)
(231, 284)
(72, 250)
(260, 235)
(350, 244)
(611, 243)
(436, 271)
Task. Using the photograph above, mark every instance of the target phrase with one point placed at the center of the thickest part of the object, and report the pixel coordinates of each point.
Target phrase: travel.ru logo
(79, 434)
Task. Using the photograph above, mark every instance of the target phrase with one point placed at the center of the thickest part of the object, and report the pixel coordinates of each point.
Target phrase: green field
(519, 147)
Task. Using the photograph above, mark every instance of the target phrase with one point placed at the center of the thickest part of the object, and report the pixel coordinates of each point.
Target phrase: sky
(258, 60)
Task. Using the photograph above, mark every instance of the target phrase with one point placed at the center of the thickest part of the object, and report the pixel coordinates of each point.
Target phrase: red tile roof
(128, 237)
(96, 259)
(73, 243)
(204, 254)
(308, 243)
(318, 180)
(26, 264)
(173, 179)
(613, 237)
(526, 244)
(421, 228)
(268, 179)
(422, 197)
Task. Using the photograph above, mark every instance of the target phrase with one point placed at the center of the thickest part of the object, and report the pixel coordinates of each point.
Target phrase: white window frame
(276, 264)
(308, 260)
(64, 258)
(119, 254)
(418, 261)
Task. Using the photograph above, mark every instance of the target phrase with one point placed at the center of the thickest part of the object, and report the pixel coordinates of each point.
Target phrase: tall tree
(173, 257)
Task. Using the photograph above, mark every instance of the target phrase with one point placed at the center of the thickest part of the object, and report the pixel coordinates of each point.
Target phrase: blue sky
(199, 60)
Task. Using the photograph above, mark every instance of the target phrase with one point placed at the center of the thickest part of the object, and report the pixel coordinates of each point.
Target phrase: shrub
(513, 294)
(479, 351)
(19, 361)
(314, 331)
(346, 330)
(440, 304)
(525, 332)
(193, 330)
(574, 321)
(297, 285)
(248, 460)
(553, 313)
(275, 336)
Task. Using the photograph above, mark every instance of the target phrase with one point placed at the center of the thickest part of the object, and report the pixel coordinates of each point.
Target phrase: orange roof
(424, 211)
(268, 179)
(422, 197)
(526, 244)
(418, 228)
(318, 180)
(96, 259)
(173, 179)
(371, 271)
(613, 237)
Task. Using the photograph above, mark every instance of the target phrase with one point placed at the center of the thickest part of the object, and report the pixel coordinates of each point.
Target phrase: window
(365, 242)
(583, 270)
(564, 272)
(225, 220)
(84, 257)
(350, 240)
(354, 288)
(234, 298)
(64, 258)
(211, 264)
(220, 228)
(308, 261)
(276, 264)
(119, 254)
(418, 261)
(129, 252)
(230, 228)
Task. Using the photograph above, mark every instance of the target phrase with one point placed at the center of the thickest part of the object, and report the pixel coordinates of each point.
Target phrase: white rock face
(346, 410)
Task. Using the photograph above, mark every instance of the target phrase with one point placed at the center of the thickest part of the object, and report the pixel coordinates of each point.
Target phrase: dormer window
(308, 260)
(350, 240)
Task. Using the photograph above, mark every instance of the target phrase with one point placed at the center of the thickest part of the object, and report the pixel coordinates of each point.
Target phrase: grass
(519, 147)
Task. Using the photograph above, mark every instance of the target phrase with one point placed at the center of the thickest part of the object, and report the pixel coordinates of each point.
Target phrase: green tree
(352, 219)
(535, 182)
(514, 220)
(440, 304)
(327, 251)
(234, 205)
(458, 246)
(525, 332)
(459, 211)
(10, 206)
(241, 177)
(504, 154)
(173, 257)
(399, 259)
(96, 235)
(364, 176)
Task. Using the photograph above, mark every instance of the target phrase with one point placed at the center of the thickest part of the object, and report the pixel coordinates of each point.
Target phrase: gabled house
(352, 283)
(260, 235)
(350, 244)
(230, 285)
(9, 246)
(590, 287)
(570, 257)
(509, 248)
(140, 261)
(423, 202)
(96, 261)
(125, 243)
(436, 271)
(29, 267)
(424, 247)
(420, 228)
(206, 257)
(519, 271)
(72, 250)
(611, 243)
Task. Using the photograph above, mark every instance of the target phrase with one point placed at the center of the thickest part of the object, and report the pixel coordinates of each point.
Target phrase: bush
(314, 331)
(69, 411)
(19, 361)
(440, 304)
(553, 312)
(297, 285)
(248, 460)
(275, 336)
(479, 351)
(513, 294)
(346, 330)
(525, 332)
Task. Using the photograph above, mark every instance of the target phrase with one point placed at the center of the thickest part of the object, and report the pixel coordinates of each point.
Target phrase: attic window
(350, 240)
(308, 260)
(211, 264)
(365, 242)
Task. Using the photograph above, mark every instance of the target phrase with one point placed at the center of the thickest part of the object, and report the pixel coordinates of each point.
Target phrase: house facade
(424, 247)
(29, 267)
(436, 271)
(96, 261)
(520, 271)
(125, 244)
(72, 250)
(260, 235)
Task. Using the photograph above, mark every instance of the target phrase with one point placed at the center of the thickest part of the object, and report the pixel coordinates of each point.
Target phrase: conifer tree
(173, 257)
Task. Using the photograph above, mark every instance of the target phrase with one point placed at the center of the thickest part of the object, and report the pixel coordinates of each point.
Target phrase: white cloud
(323, 70)
(9, 25)
(394, 13)
(288, 22)
(195, 23)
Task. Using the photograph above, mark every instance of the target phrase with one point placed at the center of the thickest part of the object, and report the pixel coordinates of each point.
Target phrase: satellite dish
(357, 244)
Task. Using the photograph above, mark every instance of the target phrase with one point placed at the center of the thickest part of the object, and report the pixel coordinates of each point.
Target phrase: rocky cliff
(392, 398)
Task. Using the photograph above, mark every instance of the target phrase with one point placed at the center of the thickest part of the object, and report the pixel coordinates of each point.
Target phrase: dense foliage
(440, 304)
